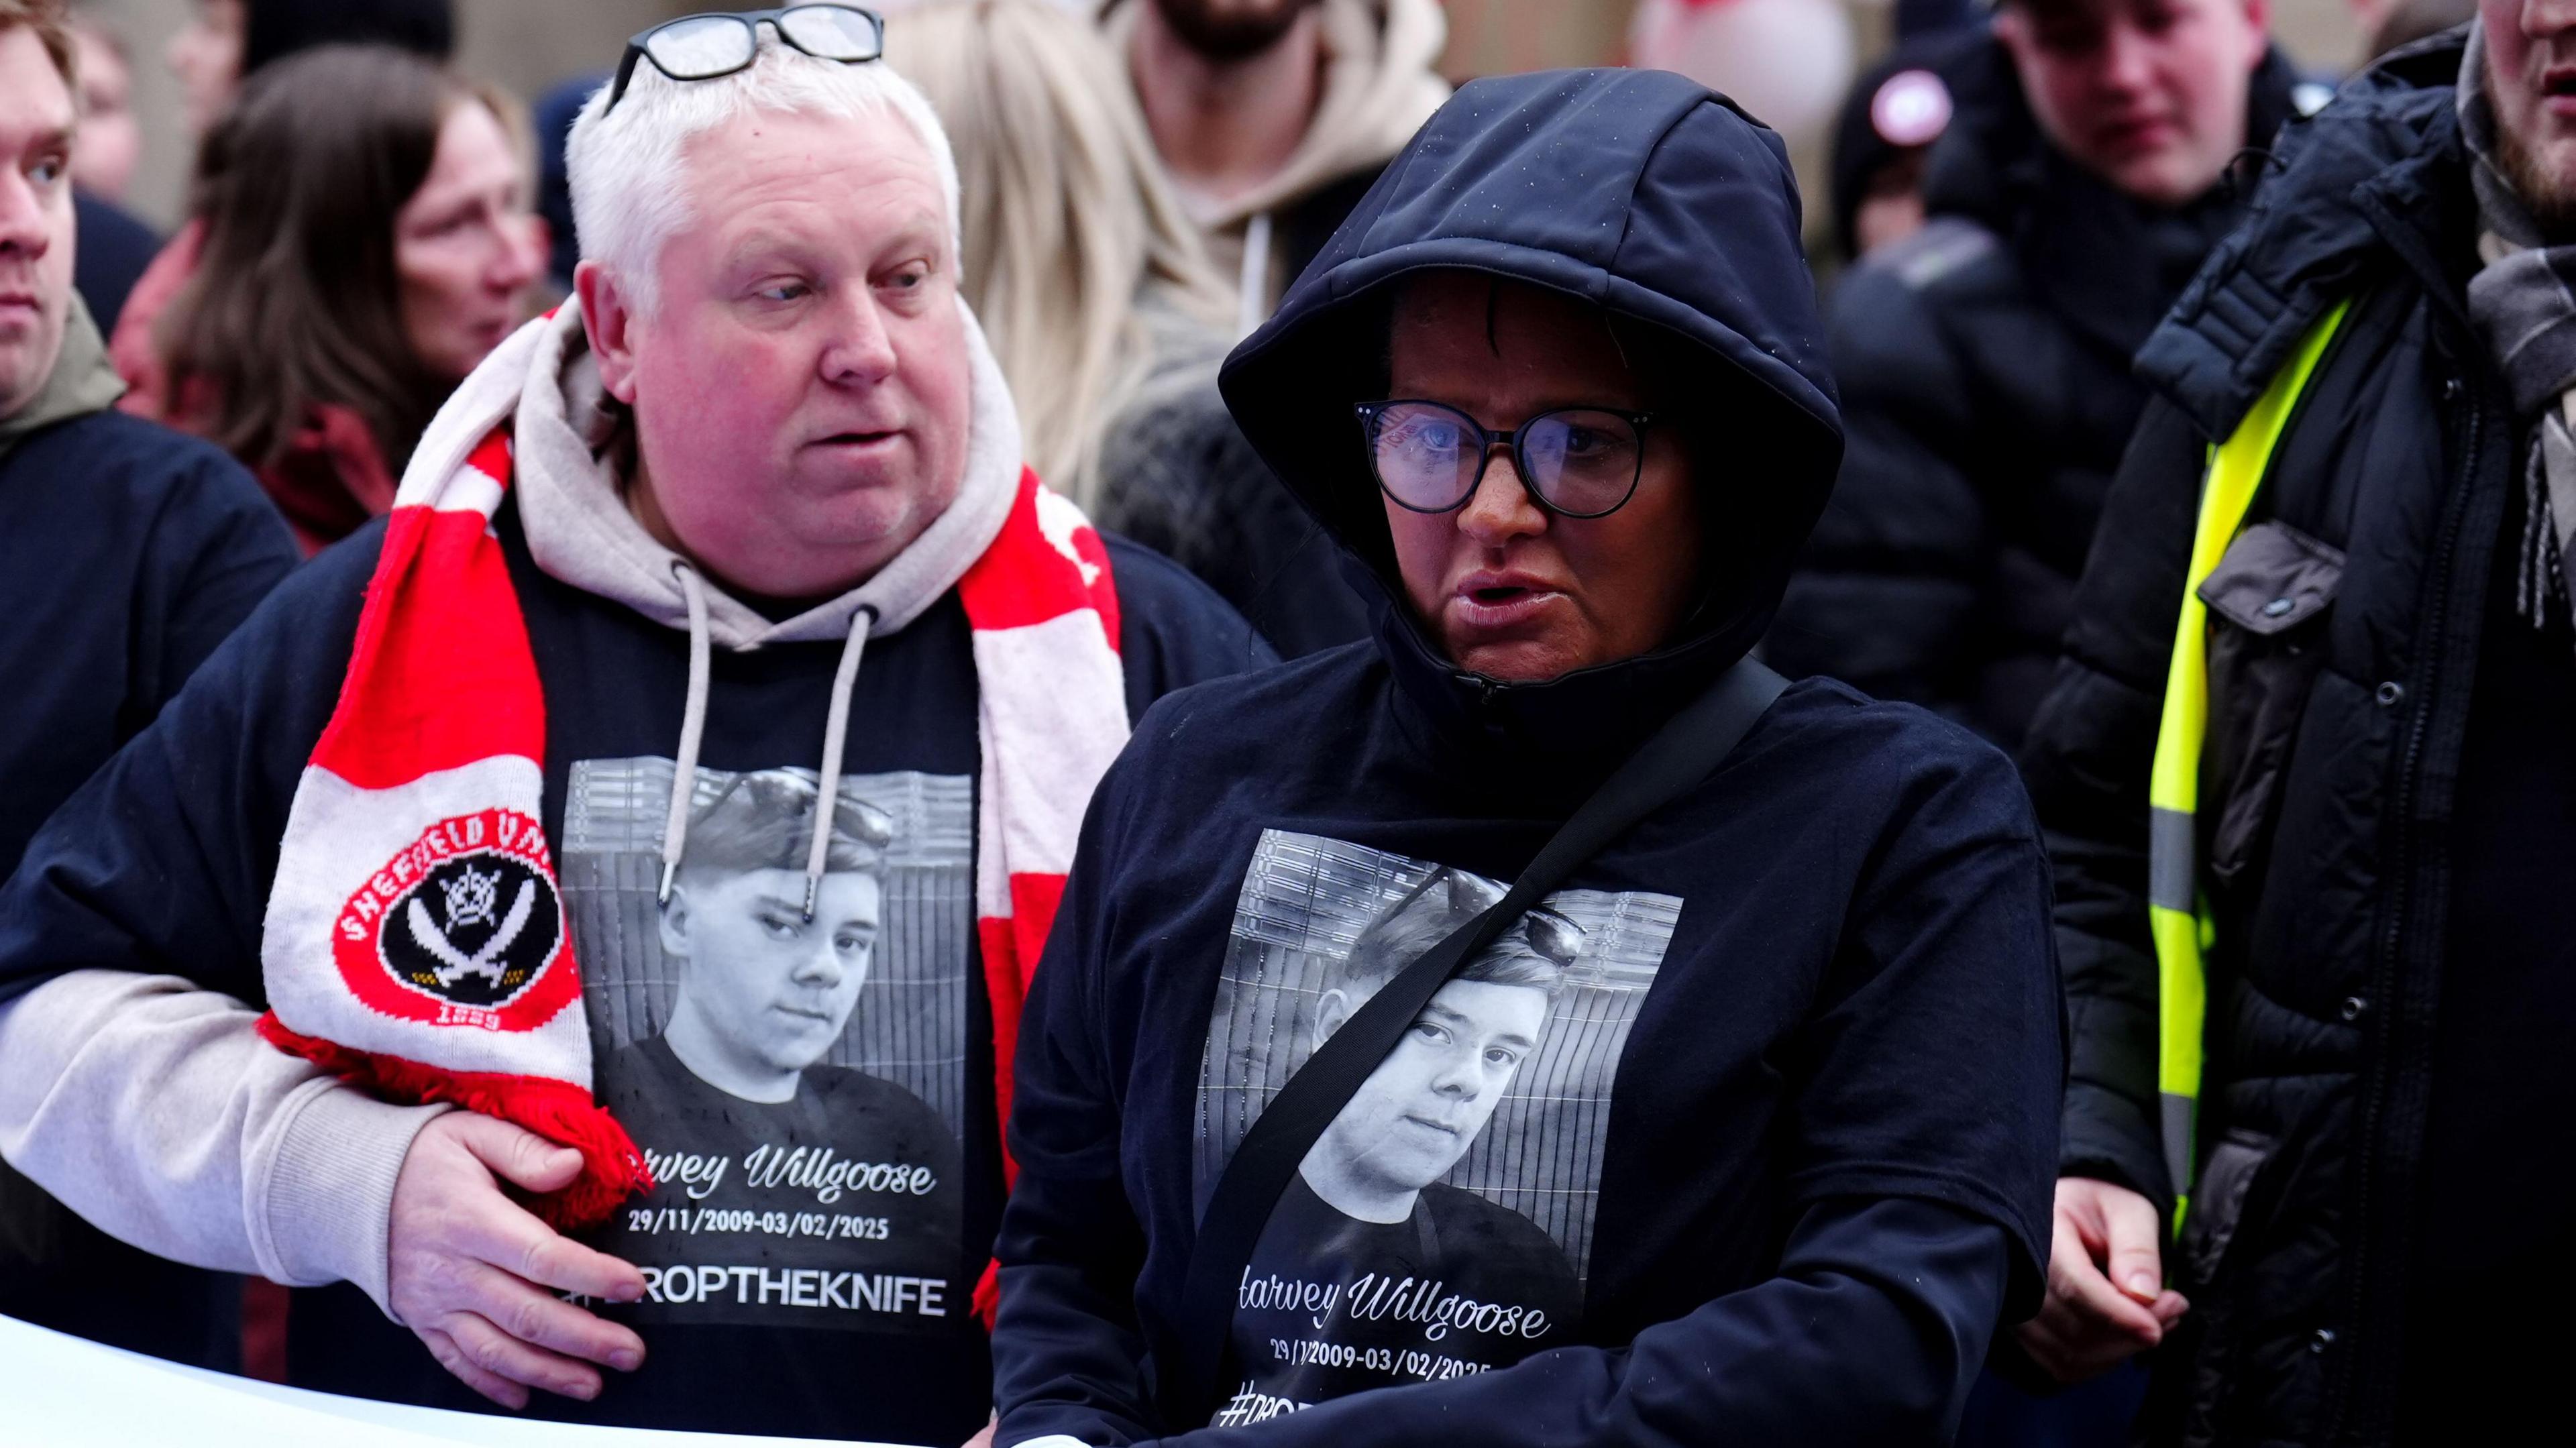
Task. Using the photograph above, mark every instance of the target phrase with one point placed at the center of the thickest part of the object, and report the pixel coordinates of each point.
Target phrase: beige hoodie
(1379, 87)
(153, 1108)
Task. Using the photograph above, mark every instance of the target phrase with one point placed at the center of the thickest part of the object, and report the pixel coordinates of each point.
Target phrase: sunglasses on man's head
(718, 43)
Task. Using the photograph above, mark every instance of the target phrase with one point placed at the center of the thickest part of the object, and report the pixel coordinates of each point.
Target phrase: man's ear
(2258, 18)
(1332, 1011)
(675, 911)
(608, 315)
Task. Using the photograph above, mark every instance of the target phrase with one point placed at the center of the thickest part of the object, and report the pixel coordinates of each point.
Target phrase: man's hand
(2106, 1297)
(468, 1269)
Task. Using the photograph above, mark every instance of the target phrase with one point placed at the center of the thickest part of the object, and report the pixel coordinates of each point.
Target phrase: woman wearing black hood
(1748, 1131)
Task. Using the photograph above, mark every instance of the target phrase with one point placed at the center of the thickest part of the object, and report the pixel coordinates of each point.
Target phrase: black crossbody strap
(1688, 747)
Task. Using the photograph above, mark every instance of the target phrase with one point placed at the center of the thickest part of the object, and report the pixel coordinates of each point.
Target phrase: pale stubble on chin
(2546, 188)
(2548, 194)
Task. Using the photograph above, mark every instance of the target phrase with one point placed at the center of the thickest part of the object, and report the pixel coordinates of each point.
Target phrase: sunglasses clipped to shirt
(718, 43)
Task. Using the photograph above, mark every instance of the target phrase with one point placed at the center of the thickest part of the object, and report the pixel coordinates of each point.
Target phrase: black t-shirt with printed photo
(1331, 1304)
(839, 1205)
(615, 686)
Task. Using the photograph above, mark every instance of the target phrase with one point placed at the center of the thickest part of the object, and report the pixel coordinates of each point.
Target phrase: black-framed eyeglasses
(1580, 462)
(720, 42)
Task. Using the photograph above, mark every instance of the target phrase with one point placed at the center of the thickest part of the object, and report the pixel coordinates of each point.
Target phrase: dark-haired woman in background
(366, 240)
(224, 43)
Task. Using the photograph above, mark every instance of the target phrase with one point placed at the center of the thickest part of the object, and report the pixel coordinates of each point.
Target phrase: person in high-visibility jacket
(2309, 778)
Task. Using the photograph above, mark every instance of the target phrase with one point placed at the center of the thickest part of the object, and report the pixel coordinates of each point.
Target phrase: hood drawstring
(693, 728)
(1252, 300)
(836, 730)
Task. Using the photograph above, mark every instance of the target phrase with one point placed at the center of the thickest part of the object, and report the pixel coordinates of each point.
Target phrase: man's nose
(2542, 19)
(1458, 1076)
(24, 235)
(861, 352)
(1500, 509)
(2127, 59)
(820, 964)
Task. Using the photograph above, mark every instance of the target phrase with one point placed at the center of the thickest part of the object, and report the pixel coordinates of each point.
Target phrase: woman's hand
(2106, 1295)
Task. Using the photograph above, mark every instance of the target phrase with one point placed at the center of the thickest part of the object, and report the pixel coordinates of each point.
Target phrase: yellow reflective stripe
(2176, 918)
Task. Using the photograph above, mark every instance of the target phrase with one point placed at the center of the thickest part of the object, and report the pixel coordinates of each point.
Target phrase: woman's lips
(1501, 604)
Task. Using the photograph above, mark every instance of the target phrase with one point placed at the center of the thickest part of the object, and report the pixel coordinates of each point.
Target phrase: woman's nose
(1500, 508)
(521, 252)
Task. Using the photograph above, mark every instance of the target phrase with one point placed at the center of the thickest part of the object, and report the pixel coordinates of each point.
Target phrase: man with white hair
(644, 551)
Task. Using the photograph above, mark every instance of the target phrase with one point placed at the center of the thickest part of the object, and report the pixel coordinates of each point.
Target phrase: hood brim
(1641, 193)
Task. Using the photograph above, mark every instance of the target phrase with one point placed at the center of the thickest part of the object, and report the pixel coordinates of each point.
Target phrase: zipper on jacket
(1487, 693)
(2379, 1068)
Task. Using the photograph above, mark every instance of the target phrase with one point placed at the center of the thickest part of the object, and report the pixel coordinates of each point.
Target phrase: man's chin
(2160, 176)
(1413, 1165)
(799, 1061)
(2544, 179)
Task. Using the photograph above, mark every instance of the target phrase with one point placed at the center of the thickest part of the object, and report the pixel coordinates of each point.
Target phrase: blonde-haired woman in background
(1096, 293)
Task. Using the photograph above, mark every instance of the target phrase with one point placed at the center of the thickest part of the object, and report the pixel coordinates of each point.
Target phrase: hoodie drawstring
(1252, 300)
(836, 731)
(693, 728)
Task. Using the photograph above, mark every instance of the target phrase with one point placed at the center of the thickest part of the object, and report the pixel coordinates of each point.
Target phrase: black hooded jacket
(1986, 385)
(2388, 809)
(1774, 1158)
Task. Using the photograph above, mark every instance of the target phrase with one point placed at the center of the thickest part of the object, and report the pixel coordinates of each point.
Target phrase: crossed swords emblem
(470, 899)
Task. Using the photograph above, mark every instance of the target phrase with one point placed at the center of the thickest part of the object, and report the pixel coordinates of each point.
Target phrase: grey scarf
(2524, 302)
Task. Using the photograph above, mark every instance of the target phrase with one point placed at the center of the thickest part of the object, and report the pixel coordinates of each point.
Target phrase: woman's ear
(608, 317)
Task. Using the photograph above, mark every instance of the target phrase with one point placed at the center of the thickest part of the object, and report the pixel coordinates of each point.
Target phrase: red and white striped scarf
(416, 941)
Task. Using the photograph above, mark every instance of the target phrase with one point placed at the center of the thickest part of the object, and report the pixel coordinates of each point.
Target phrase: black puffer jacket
(2335, 743)
(1984, 364)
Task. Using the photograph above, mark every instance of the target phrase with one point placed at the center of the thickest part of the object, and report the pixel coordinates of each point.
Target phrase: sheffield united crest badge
(464, 926)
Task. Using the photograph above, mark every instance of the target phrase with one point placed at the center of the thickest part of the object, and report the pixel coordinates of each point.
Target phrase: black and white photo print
(1441, 1224)
(793, 1070)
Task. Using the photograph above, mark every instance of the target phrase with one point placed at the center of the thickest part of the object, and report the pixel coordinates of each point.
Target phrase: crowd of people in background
(2110, 994)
